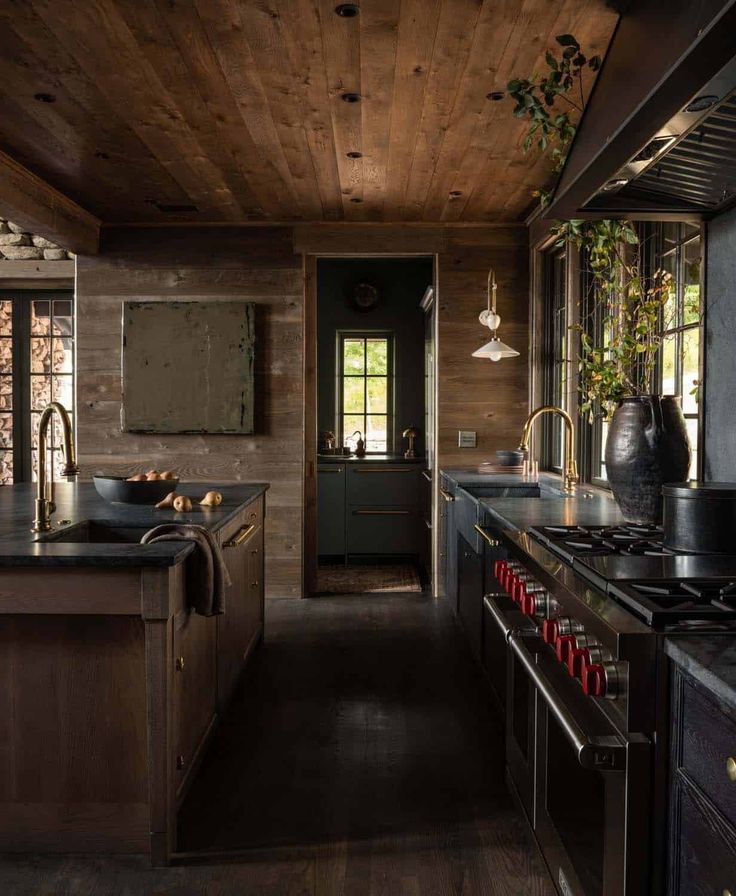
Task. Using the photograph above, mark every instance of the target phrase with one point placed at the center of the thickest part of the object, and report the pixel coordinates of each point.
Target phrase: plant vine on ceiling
(620, 334)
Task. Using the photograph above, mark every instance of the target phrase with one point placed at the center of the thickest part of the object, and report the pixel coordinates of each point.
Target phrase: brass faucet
(571, 465)
(45, 505)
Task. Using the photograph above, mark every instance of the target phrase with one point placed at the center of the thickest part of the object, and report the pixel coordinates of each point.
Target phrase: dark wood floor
(361, 757)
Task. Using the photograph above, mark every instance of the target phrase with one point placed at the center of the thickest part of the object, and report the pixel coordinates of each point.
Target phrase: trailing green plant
(620, 333)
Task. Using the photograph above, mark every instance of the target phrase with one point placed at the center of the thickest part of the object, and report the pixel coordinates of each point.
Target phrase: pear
(168, 501)
(168, 474)
(211, 499)
(139, 477)
(182, 504)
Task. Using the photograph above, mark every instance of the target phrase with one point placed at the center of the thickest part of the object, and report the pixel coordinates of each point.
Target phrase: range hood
(658, 136)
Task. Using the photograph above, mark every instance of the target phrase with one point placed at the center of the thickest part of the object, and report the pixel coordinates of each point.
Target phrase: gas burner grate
(599, 541)
(675, 601)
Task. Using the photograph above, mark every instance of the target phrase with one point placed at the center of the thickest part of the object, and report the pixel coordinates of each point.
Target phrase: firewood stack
(16, 244)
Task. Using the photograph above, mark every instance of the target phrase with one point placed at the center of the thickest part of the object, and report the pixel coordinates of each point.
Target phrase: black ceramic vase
(647, 446)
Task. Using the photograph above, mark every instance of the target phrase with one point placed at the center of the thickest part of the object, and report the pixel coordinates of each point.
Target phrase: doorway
(370, 332)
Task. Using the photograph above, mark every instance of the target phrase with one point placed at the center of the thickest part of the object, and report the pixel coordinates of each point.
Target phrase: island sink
(96, 532)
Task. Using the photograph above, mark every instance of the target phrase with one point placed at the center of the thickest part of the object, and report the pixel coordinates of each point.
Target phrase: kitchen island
(111, 685)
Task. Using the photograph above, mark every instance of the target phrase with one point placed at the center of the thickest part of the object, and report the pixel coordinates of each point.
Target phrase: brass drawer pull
(179, 664)
(491, 541)
(180, 762)
(381, 512)
(333, 470)
(241, 536)
(254, 584)
(447, 496)
(394, 470)
(731, 768)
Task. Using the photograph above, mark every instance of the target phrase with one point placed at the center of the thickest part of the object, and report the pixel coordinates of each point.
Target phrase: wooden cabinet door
(195, 689)
(240, 626)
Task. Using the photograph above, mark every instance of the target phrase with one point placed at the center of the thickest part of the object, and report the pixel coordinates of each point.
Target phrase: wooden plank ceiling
(235, 107)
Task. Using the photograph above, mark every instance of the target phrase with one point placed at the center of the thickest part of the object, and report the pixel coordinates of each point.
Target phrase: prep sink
(95, 532)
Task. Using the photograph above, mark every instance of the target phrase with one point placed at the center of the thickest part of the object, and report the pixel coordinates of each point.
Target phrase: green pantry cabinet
(366, 508)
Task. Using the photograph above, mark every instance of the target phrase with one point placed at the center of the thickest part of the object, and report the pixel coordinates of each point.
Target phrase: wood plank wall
(254, 264)
(475, 393)
(266, 266)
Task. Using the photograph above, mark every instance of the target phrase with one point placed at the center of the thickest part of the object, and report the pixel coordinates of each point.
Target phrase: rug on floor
(365, 579)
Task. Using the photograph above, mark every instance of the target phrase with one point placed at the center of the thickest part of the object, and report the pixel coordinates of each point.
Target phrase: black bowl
(510, 458)
(120, 490)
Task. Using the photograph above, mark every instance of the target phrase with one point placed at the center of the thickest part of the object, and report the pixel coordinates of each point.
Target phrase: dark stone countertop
(368, 459)
(587, 507)
(710, 660)
(79, 501)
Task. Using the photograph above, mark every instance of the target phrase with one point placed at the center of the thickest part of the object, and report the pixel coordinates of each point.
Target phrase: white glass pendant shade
(495, 350)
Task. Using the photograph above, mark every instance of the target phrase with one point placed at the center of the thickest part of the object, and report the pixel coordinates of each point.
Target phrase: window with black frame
(678, 251)
(555, 360)
(365, 388)
(36, 367)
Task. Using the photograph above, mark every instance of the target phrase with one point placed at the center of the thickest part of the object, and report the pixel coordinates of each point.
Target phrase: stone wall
(16, 244)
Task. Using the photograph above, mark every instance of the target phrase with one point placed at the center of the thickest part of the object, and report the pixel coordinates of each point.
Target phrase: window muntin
(365, 387)
(36, 367)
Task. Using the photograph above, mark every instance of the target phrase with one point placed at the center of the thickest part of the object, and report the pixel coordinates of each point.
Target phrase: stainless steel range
(585, 612)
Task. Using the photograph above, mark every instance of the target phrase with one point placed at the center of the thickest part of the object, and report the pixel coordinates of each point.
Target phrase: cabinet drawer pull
(334, 470)
(179, 664)
(428, 524)
(180, 762)
(254, 584)
(381, 512)
(447, 496)
(369, 470)
(427, 475)
(240, 537)
(731, 768)
(491, 541)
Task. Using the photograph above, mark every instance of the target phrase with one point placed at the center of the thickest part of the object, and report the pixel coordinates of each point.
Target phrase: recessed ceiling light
(701, 103)
(356, 199)
(173, 208)
(350, 97)
(44, 97)
(455, 194)
(347, 10)
(495, 95)
(355, 155)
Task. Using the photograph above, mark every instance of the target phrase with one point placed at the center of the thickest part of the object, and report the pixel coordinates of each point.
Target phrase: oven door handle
(601, 753)
(499, 617)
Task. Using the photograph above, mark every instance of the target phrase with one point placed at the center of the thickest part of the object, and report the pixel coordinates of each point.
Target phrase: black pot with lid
(700, 517)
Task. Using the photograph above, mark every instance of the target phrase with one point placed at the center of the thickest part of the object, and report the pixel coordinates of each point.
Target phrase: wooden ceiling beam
(36, 206)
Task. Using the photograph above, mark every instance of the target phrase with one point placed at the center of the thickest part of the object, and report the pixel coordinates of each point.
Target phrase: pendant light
(495, 349)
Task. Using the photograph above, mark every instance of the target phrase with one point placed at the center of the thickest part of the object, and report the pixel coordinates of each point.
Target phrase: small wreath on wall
(365, 296)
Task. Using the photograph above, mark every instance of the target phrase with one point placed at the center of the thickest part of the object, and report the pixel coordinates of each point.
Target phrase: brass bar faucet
(45, 505)
(571, 465)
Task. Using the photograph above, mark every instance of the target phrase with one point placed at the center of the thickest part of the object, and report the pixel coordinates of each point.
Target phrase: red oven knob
(518, 591)
(563, 645)
(529, 605)
(498, 568)
(593, 677)
(576, 661)
(550, 630)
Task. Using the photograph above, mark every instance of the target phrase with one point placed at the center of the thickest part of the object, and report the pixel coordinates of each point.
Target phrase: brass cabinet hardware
(240, 537)
(491, 541)
(331, 470)
(381, 512)
(447, 496)
(392, 470)
(427, 475)
(180, 762)
(254, 584)
(179, 664)
(254, 553)
(731, 768)
(428, 524)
